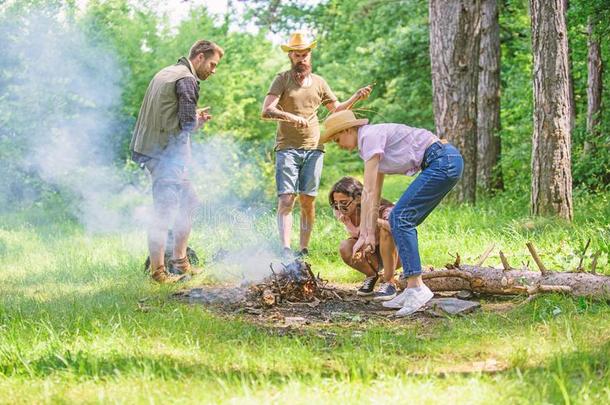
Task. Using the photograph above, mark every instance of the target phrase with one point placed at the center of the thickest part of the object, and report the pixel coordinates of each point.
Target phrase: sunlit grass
(72, 329)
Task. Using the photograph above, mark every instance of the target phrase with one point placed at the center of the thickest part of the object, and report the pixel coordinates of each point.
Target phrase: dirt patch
(499, 305)
(342, 306)
(346, 306)
(486, 366)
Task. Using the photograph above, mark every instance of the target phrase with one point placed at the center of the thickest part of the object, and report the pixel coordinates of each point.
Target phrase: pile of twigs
(293, 282)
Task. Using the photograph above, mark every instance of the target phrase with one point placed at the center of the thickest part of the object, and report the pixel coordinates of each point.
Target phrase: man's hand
(363, 93)
(272, 112)
(300, 122)
(203, 116)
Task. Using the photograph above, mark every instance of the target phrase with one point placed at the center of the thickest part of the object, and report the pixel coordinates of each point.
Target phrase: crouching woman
(398, 149)
(345, 199)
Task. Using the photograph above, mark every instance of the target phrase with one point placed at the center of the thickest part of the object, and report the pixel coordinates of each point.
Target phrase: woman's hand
(364, 245)
(345, 219)
(384, 224)
(352, 229)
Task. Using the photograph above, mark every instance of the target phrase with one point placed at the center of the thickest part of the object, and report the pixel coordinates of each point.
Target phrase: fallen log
(489, 280)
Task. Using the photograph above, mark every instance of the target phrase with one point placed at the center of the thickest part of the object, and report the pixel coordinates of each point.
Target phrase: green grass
(71, 329)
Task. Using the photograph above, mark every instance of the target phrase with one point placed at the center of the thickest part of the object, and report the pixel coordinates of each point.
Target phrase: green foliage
(591, 170)
(235, 92)
(45, 96)
(362, 42)
(516, 95)
(79, 322)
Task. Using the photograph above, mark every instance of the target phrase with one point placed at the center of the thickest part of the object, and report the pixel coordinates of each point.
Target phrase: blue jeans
(442, 167)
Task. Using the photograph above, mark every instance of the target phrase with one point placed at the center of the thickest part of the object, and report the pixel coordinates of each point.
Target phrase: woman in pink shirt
(398, 149)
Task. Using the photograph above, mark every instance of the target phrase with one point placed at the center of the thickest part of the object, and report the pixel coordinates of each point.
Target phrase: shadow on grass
(54, 324)
(561, 377)
(113, 313)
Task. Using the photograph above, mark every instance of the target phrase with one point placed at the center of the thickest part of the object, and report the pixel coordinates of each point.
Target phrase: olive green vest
(158, 117)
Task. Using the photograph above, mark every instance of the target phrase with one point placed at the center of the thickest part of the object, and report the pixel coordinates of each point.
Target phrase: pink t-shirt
(400, 148)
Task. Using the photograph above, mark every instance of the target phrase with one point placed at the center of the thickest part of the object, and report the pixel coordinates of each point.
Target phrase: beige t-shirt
(301, 101)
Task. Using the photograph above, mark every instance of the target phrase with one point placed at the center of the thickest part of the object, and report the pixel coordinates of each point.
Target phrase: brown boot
(183, 266)
(163, 277)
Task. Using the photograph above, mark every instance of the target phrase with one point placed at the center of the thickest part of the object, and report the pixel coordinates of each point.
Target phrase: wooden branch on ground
(448, 273)
(456, 263)
(504, 261)
(485, 255)
(532, 249)
(594, 262)
(488, 280)
(579, 268)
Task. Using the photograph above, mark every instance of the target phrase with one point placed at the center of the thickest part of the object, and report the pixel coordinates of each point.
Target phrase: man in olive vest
(293, 99)
(161, 143)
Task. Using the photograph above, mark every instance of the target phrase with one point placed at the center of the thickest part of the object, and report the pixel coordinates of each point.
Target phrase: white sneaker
(414, 300)
(396, 302)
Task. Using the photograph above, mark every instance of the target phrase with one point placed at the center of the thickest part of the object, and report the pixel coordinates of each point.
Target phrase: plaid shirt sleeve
(187, 90)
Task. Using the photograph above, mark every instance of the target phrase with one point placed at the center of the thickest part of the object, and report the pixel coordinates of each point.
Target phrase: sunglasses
(342, 205)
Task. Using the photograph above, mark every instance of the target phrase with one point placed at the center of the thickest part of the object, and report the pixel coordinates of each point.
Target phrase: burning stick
(311, 117)
(277, 284)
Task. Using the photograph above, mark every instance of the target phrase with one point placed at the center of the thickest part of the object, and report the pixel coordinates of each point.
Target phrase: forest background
(73, 205)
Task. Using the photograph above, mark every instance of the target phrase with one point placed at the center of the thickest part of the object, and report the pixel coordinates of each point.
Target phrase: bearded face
(205, 66)
(301, 63)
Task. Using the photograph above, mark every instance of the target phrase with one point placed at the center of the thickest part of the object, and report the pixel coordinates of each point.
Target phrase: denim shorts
(298, 171)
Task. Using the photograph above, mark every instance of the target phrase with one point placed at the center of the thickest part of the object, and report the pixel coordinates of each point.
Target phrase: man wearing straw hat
(293, 100)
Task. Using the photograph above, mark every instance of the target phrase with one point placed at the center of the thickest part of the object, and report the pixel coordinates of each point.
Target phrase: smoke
(237, 233)
(62, 93)
(61, 123)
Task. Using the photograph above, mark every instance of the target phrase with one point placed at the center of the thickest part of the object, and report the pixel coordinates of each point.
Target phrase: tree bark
(488, 280)
(489, 172)
(454, 53)
(566, 7)
(551, 156)
(594, 88)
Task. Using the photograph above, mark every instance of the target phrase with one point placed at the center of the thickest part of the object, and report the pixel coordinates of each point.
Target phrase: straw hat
(340, 121)
(298, 42)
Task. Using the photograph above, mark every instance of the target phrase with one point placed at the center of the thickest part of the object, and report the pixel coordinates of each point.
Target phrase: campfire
(293, 282)
(291, 293)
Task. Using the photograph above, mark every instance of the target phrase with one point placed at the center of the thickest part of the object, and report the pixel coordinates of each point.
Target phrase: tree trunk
(489, 172)
(594, 88)
(454, 53)
(487, 280)
(566, 7)
(551, 159)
